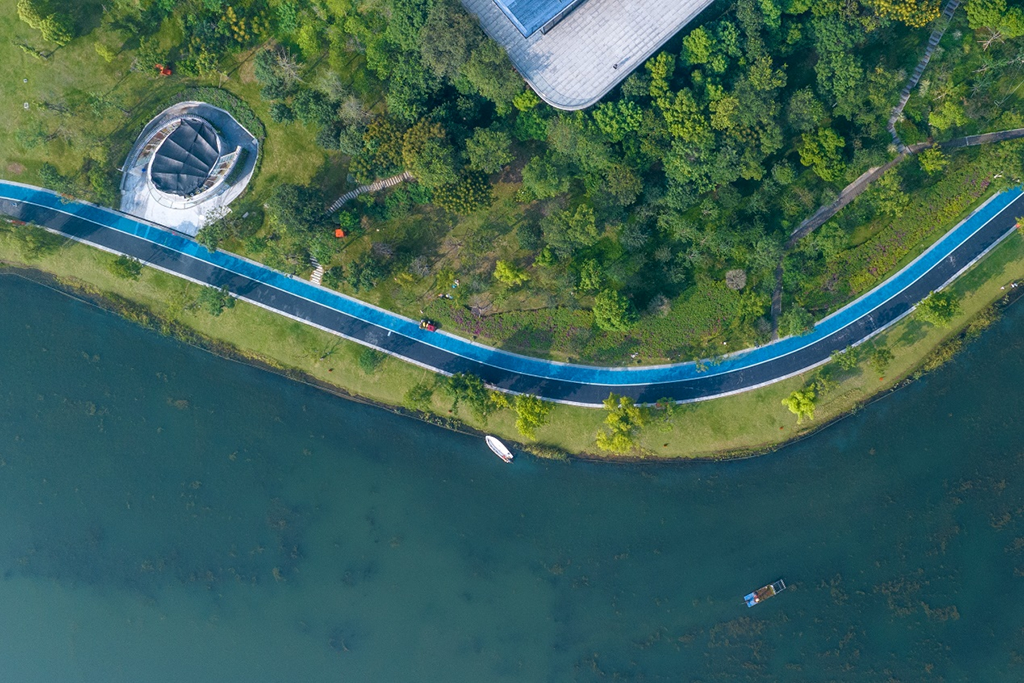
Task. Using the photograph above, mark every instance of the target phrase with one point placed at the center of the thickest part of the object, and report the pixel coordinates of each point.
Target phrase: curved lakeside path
(446, 353)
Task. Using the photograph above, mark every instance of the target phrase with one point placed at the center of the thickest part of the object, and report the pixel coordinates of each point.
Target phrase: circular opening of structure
(185, 159)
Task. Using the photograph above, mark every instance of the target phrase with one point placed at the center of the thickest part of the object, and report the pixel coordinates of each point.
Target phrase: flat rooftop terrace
(586, 54)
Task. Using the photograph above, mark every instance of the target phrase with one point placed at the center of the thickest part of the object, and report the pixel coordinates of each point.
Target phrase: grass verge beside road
(747, 423)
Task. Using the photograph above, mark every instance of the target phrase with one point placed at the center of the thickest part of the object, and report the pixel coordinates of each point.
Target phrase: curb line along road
(566, 383)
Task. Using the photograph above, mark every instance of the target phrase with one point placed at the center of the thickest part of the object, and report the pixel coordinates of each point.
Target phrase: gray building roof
(185, 158)
(586, 54)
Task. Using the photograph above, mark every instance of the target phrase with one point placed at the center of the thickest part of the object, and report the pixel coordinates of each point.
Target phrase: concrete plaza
(137, 197)
(590, 51)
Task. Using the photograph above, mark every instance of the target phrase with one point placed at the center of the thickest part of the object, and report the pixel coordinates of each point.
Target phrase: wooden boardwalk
(373, 187)
(318, 271)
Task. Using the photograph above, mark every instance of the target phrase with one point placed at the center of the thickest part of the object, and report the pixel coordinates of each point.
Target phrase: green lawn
(64, 126)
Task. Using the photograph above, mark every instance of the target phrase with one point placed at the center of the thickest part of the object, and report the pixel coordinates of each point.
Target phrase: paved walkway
(575, 384)
(854, 189)
(819, 217)
(318, 271)
(983, 139)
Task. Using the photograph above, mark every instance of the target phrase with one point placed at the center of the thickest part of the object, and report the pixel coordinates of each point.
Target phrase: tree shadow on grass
(915, 331)
(87, 17)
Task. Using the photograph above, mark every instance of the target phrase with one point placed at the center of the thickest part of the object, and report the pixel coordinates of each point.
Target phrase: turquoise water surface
(172, 516)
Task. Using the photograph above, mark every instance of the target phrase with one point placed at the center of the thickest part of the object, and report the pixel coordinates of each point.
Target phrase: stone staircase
(933, 42)
(318, 271)
(373, 187)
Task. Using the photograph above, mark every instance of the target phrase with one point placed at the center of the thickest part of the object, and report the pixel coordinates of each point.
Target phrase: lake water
(172, 516)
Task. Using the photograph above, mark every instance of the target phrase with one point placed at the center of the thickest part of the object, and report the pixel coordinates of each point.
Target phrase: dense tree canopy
(489, 150)
(597, 234)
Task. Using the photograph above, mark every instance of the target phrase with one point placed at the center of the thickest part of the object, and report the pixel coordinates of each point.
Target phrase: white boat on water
(500, 449)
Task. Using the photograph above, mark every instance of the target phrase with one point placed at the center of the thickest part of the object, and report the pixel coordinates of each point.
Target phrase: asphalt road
(553, 386)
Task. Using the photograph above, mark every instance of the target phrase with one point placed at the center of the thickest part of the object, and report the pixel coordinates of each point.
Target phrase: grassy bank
(73, 106)
(750, 422)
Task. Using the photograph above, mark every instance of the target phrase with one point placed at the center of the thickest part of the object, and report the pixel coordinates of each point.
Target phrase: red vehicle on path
(428, 325)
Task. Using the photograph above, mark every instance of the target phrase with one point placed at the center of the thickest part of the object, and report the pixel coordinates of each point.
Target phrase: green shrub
(795, 321)
(881, 357)
(126, 267)
(333, 277)
(942, 355)
(982, 321)
(36, 242)
(51, 178)
(281, 113)
(220, 98)
(214, 300)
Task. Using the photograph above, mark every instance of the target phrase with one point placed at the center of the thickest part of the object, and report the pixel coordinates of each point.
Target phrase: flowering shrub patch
(702, 313)
(856, 270)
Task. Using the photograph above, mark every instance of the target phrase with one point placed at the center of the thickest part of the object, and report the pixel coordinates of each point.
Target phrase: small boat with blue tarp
(765, 592)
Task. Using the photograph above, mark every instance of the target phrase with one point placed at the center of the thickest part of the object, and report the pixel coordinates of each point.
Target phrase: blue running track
(563, 382)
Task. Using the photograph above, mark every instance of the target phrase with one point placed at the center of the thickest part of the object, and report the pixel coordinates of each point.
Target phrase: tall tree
(489, 150)
(569, 231)
(623, 422)
(821, 151)
(801, 403)
(913, 13)
(995, 17)
(297, 209)
(614, 312)
(428, 155)
(491, 73)
(448, 38)
(939, 308)
(531, 414)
